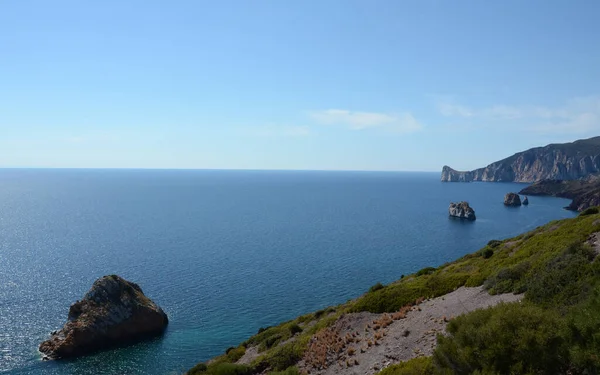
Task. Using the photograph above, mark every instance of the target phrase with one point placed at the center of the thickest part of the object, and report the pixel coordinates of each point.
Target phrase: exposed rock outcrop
(585, 193)
(113, 312)
(461, 210)
(512, 199)
(585, 201)
(566, 161)
(525, 201)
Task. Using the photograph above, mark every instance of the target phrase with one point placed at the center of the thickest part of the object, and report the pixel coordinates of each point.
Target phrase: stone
(512, 199)
(525, 201)
(461, 210)
(113, 312)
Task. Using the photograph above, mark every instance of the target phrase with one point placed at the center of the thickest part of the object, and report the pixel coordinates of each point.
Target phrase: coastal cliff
(565, 161)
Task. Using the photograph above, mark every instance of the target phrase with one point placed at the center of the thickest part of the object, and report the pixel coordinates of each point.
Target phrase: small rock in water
(512, 199)
(461, 210)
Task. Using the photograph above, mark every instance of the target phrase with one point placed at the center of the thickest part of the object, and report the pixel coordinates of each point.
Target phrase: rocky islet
(113, 312)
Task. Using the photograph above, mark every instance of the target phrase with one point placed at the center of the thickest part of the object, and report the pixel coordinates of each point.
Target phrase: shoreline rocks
(112, 313)
(512, 200)
(525, 201)
(584, 193)
(461, 210)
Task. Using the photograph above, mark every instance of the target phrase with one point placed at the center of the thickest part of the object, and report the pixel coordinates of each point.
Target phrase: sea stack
(525, 201)
(512, 199)
(113, 312)
(461, 210)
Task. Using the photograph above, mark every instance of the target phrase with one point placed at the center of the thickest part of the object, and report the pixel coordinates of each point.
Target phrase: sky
(394, 85)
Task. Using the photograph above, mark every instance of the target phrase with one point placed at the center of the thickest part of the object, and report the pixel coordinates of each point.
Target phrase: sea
(224, 253)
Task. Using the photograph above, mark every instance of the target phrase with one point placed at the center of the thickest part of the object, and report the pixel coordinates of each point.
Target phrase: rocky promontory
(461, 210)
(113, 312)
(585, 192)
(512, 199)
(565, 161)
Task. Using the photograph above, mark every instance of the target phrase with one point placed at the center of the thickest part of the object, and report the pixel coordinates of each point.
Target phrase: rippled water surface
(223, 252)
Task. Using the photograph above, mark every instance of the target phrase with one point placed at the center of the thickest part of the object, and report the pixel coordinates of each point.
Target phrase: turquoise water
(223, 252)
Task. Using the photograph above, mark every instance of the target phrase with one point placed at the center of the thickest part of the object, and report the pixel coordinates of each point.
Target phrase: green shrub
(270, 341)
(509, 279)
(590, 211)
(289, 371)
(515, 338)
(230, 369)
(376, 287)
(234, 354)
(395, 296)
(425, 271)
(198, 369)
(584, 336)
(487, 253)
(283, 356)
(494, 243)
(416, 366)
(294, 328)
(562, 280)
(221, 369)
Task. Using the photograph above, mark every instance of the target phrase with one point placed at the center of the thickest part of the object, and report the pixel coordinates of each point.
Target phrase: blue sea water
(223, 252)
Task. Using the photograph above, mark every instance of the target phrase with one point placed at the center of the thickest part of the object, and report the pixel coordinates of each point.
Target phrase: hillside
(561, 161)
(585, 193)
(438, 322)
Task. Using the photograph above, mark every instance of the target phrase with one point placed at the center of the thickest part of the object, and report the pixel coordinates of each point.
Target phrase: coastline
(423, 299)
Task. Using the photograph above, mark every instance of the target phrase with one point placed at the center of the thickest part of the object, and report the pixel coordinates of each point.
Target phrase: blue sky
(281, 84)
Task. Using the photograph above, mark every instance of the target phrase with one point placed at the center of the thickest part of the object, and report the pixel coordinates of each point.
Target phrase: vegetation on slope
(556, 328)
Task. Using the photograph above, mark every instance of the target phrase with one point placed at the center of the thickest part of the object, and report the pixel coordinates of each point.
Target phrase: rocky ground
(365, 343)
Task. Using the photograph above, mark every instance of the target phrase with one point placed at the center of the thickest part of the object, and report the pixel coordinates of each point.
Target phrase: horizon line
(223, 169)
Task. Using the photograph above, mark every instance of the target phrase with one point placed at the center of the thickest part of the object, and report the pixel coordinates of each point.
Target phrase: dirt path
(365, 343)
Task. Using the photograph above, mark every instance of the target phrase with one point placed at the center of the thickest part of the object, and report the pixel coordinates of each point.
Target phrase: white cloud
(396, 123)
(578, 115)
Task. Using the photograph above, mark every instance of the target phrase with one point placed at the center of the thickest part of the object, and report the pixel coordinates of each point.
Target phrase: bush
(584, 337)
(288, 371)
(510, 279)
(562, 280)
(416, 366)
(220, 369)
(515, 338)
(395, 296)
(426, 271)
(198, 369)
(295, 328)
(494, 243)
(284, 356)
(376, 287)
(270, 341)
(487, 253)
(234, 354)
(230, 369)
(590, 211)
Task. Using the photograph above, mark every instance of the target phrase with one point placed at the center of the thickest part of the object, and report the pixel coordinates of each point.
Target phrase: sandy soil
(365, 343)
